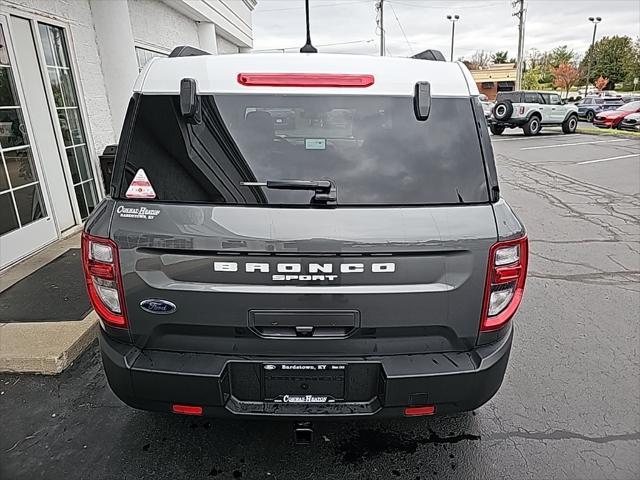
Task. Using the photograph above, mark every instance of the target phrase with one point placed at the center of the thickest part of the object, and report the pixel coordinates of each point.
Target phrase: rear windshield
(371, 147)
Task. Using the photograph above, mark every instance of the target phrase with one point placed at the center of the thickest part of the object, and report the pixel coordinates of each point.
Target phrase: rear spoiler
(187, 51)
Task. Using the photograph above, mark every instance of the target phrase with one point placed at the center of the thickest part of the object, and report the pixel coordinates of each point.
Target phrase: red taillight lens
(186, 409)
(304, 80)
(104, 283)
(506, 277)
(418, 411)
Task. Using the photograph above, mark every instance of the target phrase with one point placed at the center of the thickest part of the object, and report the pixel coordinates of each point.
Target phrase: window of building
(20, 193)
(144, 55)
(56, 55)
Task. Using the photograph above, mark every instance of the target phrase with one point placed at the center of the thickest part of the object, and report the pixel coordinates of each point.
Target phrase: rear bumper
(456, 382)
(510, 123)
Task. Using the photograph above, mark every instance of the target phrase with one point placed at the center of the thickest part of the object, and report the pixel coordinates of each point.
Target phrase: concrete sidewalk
(42, 347)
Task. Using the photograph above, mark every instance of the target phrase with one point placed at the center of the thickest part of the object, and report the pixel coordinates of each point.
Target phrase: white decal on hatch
(142, 213)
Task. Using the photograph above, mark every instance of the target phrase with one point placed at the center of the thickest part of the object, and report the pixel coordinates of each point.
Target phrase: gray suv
(353, 260)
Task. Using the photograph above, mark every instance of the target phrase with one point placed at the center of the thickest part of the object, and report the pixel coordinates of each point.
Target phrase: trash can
(106, 165)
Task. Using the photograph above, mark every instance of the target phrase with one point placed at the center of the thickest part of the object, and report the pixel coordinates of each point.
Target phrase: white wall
(83, 48)
(155, 23)
(225, 46)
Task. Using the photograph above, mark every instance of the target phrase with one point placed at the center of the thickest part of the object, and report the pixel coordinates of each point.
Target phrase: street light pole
(380, 8)
(595, 22)
(453, 19)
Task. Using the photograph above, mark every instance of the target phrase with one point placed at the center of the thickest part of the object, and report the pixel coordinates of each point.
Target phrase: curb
(608, 133)
(44, 348)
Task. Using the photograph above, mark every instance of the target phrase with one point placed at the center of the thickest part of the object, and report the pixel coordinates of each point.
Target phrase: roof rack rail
(435, 55)
(187, 51)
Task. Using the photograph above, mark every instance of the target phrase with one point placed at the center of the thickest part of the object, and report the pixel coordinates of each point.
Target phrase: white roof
(218, 74)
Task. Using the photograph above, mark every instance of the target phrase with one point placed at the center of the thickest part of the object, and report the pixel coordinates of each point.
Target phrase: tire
(503, 110)
(533, 126)
(496, 129)
(590, 116)
(570, 124)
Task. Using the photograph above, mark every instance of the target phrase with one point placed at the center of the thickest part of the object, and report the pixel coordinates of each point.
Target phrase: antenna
(308, 48)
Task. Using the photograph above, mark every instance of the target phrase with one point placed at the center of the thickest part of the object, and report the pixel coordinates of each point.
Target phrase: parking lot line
(537, 147)
(607, 159)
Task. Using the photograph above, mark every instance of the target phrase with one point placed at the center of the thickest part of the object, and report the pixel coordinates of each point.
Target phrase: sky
(349, 26)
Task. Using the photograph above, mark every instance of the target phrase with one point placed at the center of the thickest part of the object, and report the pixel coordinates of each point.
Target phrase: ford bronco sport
(531, 111)
(304, 236)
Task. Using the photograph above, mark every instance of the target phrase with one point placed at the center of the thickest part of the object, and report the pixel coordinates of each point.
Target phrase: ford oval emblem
(154, 305)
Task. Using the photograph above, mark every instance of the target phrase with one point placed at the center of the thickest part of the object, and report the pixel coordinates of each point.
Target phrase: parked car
(605, 94)
(591, 106)
(530, 111)
(612, 118)
(242, 273)
(630, 98)
(631, 123)
(487, 105)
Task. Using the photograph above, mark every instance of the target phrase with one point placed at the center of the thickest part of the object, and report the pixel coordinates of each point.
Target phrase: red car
(612, 118)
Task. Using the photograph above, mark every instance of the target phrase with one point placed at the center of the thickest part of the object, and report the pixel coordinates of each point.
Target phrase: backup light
(102, 275)
(506, 276)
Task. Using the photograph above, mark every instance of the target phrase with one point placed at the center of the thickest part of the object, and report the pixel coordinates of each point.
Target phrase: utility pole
(380, 21)
(520, 13)
(453, 19)
(595, 22)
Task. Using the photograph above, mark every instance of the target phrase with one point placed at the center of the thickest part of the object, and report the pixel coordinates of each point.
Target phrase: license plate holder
(303, 383)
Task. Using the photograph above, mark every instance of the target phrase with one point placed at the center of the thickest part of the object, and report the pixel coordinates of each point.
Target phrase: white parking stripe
(514, 138)
(607, 159)
(537, 147)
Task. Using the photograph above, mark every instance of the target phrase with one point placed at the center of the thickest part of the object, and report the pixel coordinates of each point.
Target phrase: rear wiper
(325, 190)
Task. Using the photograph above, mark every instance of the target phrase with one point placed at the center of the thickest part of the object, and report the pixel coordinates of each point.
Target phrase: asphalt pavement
(569, 406)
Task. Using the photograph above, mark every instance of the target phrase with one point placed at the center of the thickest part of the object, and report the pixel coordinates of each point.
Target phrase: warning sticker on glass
(140, 187)
(315, 143)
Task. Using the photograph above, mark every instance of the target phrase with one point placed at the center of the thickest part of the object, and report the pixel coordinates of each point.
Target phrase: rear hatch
(391, 259)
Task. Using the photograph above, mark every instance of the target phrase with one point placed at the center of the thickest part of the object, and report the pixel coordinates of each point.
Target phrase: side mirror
(422, 100)
(190, 103)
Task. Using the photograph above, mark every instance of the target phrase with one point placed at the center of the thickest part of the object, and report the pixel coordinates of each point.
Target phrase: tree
(601, 83)
(616, 58)
(561, 56)
(479, 59)
(565, 76)
(500, 57)
(531, 79)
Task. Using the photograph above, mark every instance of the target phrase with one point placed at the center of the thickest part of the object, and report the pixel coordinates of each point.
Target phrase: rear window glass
(371, 147)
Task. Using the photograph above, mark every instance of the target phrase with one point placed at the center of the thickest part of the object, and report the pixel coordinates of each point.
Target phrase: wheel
(570, 124)
(532, 127)
(496, 129)
(503, 110)
(590, 116)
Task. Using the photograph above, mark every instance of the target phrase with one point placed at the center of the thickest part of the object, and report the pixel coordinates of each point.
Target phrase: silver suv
(531, 111)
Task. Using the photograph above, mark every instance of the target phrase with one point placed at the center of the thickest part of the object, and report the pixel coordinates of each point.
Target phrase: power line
(321, 45)
(335, 4)
(401, 29)
(446, 7)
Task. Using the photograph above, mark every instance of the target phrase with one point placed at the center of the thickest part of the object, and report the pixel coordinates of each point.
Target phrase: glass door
(26, 223)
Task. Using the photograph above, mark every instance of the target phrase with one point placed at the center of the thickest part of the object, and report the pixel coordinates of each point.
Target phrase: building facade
(67, 69)
(495, 78)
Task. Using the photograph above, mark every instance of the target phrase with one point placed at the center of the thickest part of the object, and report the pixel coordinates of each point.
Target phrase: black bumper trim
(454, 382)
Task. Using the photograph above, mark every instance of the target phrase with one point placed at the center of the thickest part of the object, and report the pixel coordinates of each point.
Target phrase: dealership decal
(142, 213)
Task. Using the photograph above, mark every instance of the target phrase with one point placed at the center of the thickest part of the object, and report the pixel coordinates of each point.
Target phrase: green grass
(606, 131)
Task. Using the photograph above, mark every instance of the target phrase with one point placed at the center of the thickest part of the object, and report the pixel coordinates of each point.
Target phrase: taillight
(104, 283)
(506, 276)
(304, 80)
(521, 111)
